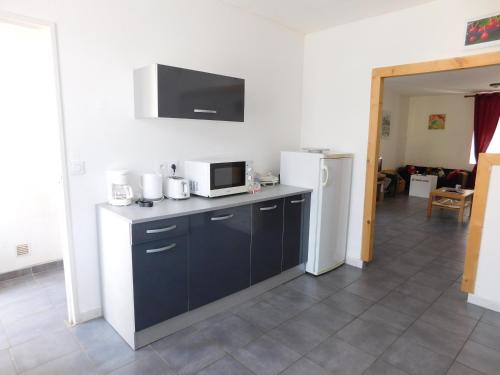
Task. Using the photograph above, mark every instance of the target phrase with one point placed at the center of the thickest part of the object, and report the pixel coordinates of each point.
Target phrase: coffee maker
(120, 192)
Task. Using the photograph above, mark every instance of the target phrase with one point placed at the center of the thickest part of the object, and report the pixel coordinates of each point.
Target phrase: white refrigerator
(329, 176)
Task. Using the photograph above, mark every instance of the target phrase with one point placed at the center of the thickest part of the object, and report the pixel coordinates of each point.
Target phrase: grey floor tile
(18, 289)
(110, 352)
(391, 319)
(491, 317)
(89, 332)
(416, 359)
(213, 320)
(225, 365)
(431, 281)
(340, 357)
(151, 364)
(305, 366)
(367, 290)
(381, 367)
(480, 357)
(6, 364)
(459, 369)
(324, 317)
(266, 356)
(487, 335)
(342, 276)
(191, 353)
(404, 304)
(4, 342)
(349, 302)
(419, 291)
(287, 299)
(401, 268)
(299, 336)
(172, 339)
(459, 307)
(448, 320)
(313, 286)
(35, 325)
(75, 364)
(43, 349)
(264, 315)
(232, 333)
(370, 337)
(23, 308)
(436, 339)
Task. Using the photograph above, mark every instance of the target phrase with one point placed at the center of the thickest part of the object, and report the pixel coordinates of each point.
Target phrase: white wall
(337, 77)
(392, 148)
(101, 42)
(29, 148)
(447, 148)
(488, 278)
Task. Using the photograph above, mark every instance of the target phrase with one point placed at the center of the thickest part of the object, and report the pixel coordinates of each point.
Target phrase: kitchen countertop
(169, 208)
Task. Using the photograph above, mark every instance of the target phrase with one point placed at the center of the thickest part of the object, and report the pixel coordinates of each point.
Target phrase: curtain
(486, 113)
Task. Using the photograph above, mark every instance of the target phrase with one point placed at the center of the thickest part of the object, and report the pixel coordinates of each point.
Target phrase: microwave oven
(218, 178)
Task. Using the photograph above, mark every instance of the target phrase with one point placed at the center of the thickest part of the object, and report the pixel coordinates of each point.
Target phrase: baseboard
(483, 302)
(82, 317)
(37, 268)
(355, 262)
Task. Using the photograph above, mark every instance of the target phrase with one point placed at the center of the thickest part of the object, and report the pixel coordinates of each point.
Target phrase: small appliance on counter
(120, 192)
(177, 188)
(210, 178)
(152, 186)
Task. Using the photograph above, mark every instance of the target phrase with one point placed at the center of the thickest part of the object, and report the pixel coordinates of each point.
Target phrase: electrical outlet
(77, 168)
(167, 166)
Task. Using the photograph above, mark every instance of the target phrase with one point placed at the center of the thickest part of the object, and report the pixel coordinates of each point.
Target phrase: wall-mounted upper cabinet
(166, 91)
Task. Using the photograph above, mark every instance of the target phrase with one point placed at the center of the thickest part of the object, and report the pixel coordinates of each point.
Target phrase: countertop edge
(109, 208)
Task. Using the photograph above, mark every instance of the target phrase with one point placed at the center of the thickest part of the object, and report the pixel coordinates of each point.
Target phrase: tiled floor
(404, 314)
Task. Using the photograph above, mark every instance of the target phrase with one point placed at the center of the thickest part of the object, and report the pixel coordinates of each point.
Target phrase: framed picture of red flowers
(483, 31)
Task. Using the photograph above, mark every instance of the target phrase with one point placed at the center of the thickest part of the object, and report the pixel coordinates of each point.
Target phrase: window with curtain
(493, 148)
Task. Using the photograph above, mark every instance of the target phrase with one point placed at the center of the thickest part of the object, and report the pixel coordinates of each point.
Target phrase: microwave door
(227, 175)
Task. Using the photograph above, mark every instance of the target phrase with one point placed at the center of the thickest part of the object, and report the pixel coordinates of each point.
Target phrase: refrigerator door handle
(326, 176)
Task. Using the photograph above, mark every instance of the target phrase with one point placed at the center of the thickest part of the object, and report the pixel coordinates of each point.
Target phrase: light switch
(76, 167)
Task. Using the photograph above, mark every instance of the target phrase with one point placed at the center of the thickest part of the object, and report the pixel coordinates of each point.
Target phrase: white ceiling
(308, 16)
(453, 82)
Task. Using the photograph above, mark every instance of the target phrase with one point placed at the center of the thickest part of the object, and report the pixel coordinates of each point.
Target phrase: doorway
(378, 79)
(36, 268)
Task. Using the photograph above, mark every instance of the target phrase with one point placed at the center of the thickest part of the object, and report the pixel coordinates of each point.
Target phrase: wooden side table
(451, 201)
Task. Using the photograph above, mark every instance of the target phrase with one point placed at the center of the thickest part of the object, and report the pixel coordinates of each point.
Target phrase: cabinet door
(160, 271)
(219, 256)
(267, 235)
(185, 93)
(296, 229)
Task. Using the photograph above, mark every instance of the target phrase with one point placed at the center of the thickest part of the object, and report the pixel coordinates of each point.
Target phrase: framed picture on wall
(483, 32)
(386, 124)
(437, 121)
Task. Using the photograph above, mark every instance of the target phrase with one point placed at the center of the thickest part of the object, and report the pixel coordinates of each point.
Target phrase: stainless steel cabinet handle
(219, 218)
(198, 110)
(160, 249)
(298, 201)
(268, 208)
(161, 230)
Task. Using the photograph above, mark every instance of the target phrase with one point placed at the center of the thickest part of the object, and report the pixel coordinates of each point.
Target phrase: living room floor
(402, 314)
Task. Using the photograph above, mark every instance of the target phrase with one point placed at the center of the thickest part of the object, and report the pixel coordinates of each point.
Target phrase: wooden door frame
(377, 91)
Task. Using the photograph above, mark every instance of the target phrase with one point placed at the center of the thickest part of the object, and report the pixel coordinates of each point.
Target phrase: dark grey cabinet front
(219, 257)
(296, 229)
(160, 274)
(185, 93)
(267, 232)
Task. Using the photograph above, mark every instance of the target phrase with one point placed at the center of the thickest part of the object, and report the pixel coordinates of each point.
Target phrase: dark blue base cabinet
(182, 264)
(219, 254)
